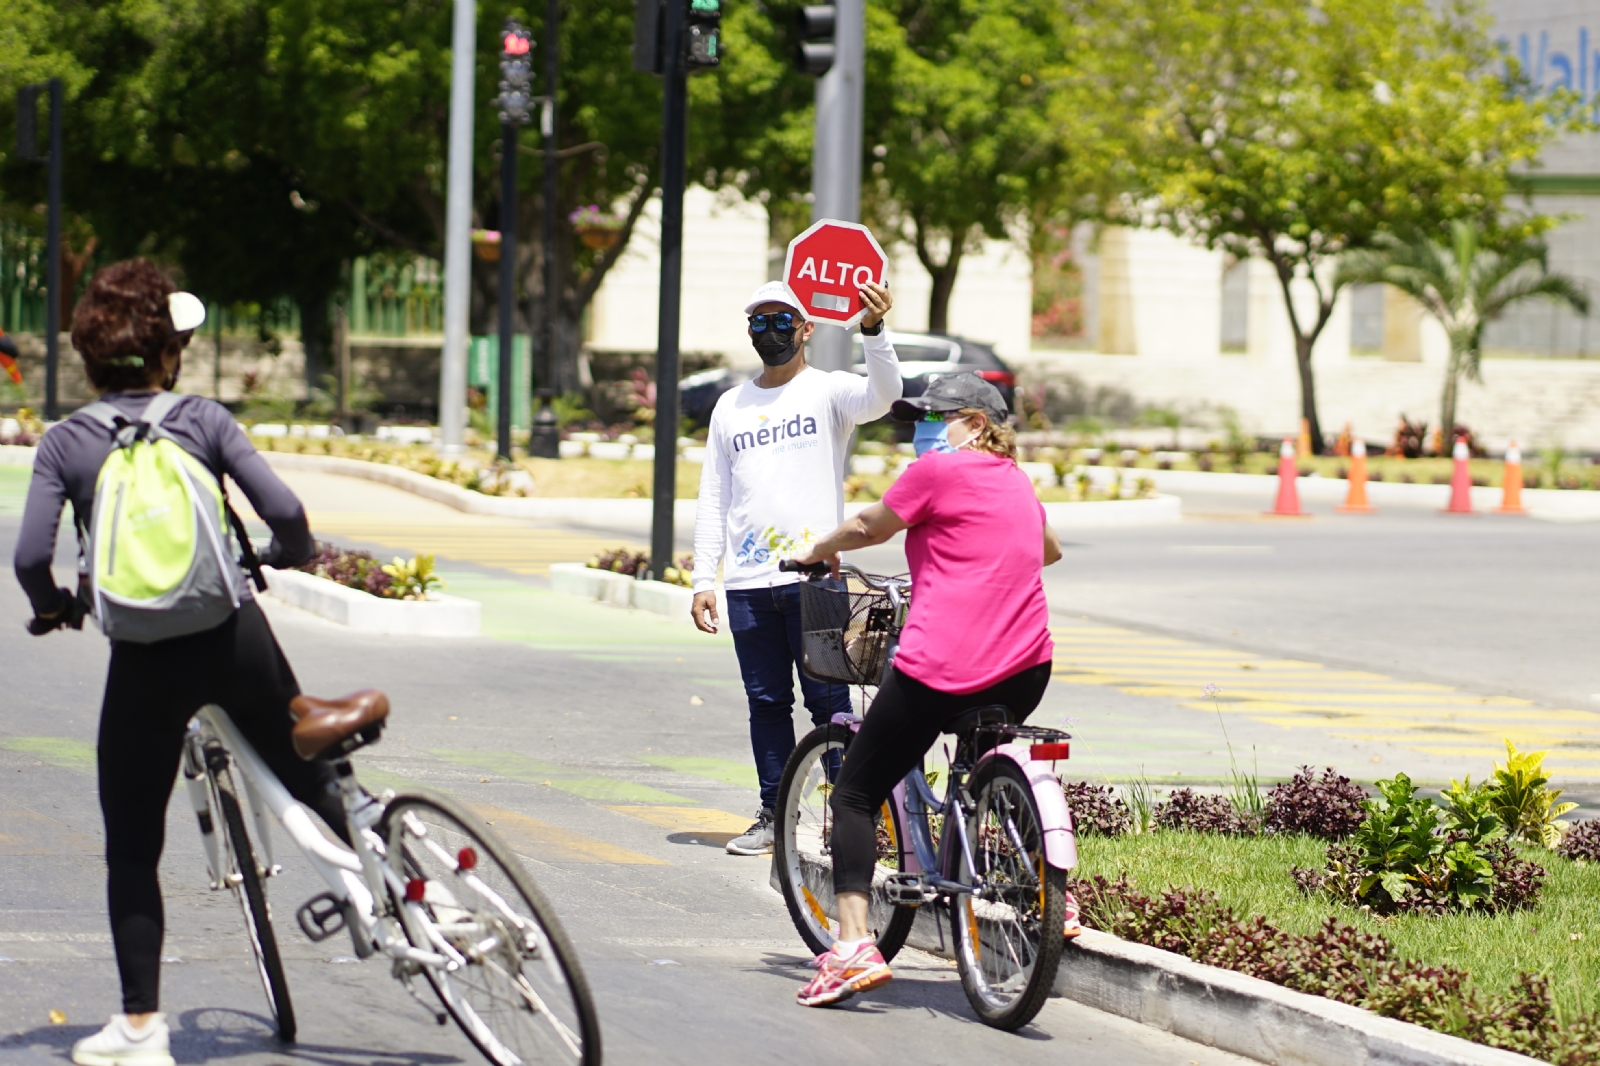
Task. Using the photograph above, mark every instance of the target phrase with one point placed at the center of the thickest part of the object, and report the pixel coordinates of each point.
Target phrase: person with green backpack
(144, 470)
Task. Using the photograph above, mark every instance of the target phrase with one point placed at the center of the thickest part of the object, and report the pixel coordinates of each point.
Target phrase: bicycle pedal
(320, 917)
(908, 890)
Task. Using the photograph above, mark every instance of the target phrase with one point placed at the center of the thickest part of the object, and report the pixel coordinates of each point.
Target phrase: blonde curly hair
(996, 438)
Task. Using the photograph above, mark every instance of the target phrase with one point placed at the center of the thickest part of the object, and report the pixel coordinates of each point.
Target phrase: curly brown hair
(996, 438)
(121, 326)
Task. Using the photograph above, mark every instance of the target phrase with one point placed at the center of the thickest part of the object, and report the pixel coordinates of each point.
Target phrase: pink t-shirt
(976, 548)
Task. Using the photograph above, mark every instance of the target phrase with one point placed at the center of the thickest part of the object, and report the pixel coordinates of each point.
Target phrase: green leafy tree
(1465, 284)
(1300, 131)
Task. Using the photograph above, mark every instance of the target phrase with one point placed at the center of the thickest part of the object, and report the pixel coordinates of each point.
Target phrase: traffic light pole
(674, 148)
(457, 231)
(836, 154)
(552, 377)
(508, 284)
(52, 311)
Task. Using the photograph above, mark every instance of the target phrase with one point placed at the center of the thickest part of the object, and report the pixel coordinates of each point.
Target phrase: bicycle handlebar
(873, 581)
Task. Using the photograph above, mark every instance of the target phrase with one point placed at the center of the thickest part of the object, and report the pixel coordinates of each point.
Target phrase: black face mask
(776, 347)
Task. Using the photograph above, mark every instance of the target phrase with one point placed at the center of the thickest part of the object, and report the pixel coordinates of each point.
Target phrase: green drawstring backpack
(157, 543)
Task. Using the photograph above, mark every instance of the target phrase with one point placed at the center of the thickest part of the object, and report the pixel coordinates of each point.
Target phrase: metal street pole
(457, 231)
(674, 148)
(836, 154)
(516, 77)
(52, 311)
(508, 282)
(552, 376)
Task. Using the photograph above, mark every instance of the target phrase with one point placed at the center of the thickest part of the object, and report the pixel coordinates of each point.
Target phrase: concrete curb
(16, 455)
(446, 616)
(1552, 505)
(619, 590)
(1230, 1011)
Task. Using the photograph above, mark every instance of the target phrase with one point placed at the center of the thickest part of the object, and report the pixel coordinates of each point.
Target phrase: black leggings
(901, 725)
(152, 690)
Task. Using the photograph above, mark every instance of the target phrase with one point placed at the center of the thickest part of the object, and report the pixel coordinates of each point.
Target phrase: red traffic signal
(516, 44)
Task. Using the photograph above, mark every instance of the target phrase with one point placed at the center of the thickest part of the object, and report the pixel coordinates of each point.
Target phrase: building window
(1366, 320)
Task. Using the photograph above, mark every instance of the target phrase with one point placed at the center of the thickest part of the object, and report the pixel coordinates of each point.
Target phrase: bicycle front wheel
(517, 992)
(1008, 928)
(803, 848)
(252, 898)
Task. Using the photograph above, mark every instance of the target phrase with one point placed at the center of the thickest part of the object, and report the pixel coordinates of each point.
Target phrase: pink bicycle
(1003, 829)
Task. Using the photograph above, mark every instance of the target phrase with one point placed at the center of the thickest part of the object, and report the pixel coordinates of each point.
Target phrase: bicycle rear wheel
(1008, 929)
(803, 854)
(252, 897)
(520, 995)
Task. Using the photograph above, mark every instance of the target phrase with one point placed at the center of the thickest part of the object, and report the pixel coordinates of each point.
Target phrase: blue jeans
(766, 636)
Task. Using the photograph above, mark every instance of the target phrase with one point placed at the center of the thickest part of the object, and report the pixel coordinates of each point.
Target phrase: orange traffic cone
(1355, 501)
(1511, 483)
(1288, 494)
(1460, 482)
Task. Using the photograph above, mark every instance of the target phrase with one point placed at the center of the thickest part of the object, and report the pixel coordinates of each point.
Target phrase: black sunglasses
(782, 321)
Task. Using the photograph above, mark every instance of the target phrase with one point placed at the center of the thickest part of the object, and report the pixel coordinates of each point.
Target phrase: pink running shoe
(1073, 925)
(839, 977)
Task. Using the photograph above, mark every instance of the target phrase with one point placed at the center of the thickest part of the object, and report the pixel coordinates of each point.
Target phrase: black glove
(69, 615)
(274, 556)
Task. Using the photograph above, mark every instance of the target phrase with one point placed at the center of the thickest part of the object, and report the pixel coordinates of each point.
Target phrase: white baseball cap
(773, 292)
(186, 310)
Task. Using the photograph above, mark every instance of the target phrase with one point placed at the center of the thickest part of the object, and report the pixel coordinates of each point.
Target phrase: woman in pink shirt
(978, 632)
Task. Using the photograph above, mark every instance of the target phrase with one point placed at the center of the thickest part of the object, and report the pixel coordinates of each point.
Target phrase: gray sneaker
(757, 840)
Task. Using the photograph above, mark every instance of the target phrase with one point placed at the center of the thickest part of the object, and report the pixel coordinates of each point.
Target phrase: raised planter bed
(620, 590)
(438, 616)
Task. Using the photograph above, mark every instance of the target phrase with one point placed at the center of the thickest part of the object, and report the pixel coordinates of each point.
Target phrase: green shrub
(1410, 854)
(1525, 807)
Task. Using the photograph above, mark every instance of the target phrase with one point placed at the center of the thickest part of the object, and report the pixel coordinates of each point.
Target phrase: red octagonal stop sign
(828, 264)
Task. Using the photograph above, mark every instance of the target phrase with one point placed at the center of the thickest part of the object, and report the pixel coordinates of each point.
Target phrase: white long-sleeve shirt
(773, 479)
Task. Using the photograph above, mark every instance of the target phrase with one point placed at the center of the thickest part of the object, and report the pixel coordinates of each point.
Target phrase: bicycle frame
(352, 876)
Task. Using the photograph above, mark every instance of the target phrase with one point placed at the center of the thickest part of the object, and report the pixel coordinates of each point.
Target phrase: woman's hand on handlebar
(812, 562)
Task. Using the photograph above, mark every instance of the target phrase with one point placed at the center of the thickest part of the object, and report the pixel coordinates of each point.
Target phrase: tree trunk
(1304, 339)
(1447, 403)
(942, 274)
(1308, 390)
(314, 337)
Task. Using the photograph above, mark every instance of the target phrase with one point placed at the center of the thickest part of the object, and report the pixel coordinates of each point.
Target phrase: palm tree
(1465, 285)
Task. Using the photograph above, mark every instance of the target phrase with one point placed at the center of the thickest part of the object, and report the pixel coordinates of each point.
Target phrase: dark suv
(921, 354)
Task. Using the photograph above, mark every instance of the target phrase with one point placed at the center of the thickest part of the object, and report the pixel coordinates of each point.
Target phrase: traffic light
(703, 35)
(516, 74)
(815, 54)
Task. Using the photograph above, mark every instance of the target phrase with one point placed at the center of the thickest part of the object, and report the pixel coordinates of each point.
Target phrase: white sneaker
(120, 1044)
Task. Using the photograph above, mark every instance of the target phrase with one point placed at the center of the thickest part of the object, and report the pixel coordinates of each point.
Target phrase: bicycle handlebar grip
(794, 566)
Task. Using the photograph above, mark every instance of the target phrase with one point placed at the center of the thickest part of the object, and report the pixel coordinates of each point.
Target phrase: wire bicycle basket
(846, 633)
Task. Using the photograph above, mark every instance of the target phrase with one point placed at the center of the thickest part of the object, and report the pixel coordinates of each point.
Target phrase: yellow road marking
(688, 819)
(1296, 694)
(548, 843)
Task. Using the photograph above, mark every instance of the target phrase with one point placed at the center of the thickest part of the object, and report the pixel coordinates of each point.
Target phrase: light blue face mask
(932, 437)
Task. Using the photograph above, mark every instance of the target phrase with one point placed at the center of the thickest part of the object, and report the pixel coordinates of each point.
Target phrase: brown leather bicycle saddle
(322, 724)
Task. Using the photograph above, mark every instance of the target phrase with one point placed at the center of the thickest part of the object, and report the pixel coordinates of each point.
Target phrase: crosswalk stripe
(1299, 694)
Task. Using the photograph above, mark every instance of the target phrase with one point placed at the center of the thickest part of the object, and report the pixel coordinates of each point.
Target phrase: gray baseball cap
(952, 392)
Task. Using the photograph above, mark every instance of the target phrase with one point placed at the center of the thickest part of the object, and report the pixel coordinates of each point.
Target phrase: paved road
(611, 750)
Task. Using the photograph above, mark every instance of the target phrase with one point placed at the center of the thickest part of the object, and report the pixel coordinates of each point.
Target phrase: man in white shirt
(772, 484)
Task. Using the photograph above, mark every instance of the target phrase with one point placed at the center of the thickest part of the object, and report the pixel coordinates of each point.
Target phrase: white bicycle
(427, 885)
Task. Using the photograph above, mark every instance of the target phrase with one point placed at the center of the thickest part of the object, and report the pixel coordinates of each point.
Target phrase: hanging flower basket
(486, 244)
(596, 228)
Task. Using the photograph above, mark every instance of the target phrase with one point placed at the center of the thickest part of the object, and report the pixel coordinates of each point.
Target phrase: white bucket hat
(773, 292)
